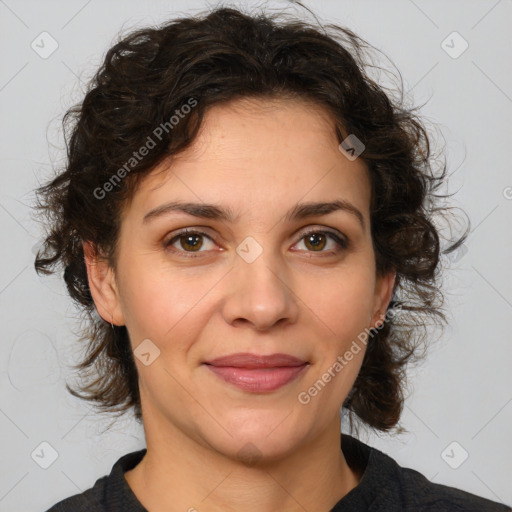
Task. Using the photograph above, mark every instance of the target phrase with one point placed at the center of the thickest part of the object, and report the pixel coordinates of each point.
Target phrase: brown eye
(189, 242)
(317, 241)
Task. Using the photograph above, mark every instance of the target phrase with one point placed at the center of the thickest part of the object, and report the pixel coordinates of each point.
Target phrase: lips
(252, 361)
(257, 373)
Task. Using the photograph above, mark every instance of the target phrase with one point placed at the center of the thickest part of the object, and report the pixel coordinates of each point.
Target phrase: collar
(378, 489)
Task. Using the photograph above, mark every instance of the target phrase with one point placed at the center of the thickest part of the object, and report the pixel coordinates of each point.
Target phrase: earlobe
(102, 285)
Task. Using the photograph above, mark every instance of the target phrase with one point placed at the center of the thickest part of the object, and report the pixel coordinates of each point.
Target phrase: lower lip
(258, 380)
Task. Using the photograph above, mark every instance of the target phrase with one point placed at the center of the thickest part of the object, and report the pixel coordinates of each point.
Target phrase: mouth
(258, 373)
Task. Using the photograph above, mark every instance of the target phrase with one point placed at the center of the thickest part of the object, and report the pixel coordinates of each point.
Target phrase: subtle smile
(258, 373)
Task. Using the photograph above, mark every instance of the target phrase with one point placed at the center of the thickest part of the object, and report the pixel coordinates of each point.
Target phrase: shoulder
(91, 500)
(420, 494)
(387, 486)
(110, 493)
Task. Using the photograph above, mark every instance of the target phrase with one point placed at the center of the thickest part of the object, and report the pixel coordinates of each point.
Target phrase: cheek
(340, 313)
(342, 305)
(161, 307)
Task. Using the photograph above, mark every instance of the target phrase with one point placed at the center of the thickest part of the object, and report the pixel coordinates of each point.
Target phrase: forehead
(259, 152)
(267, 123)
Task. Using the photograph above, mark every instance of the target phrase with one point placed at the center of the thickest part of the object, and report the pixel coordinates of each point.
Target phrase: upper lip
(247, 360)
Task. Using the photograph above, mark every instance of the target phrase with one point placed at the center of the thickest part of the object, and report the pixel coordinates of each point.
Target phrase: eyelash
(341, 241)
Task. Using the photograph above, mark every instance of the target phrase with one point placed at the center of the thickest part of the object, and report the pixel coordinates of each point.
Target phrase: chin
(258, 450)
(259, 438)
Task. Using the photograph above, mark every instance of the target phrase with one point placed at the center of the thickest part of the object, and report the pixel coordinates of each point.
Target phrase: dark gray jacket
(384, 487)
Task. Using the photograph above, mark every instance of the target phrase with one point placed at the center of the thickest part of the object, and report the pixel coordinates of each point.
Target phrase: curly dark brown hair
(147, 77)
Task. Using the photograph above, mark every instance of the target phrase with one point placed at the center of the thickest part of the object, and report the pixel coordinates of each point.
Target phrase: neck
(178, 473)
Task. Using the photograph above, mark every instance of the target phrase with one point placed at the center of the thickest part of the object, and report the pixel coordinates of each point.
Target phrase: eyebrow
(217, 212)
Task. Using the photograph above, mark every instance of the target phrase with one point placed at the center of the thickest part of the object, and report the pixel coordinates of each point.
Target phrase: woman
(246, 219)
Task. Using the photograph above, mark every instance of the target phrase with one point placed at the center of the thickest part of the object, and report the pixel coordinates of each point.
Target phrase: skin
(259, 158)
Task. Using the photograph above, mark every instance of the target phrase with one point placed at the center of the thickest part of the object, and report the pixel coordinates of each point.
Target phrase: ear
(103, 286)
(383, 292)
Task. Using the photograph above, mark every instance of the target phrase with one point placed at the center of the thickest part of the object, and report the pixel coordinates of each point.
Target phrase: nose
(260, 292)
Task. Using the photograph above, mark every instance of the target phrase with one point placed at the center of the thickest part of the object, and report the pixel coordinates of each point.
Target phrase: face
(262, 280)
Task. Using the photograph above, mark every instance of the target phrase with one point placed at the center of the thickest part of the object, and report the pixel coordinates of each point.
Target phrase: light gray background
(462, 393)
